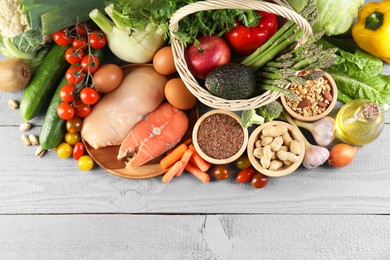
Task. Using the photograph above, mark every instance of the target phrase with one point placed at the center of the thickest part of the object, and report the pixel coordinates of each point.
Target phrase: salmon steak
(158, 132)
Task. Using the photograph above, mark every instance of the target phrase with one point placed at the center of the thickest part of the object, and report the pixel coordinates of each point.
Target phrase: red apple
(211, 52)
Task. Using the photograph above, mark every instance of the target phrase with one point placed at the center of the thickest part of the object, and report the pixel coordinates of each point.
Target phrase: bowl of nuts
(276, 148)
(219, 137)
(315, 99)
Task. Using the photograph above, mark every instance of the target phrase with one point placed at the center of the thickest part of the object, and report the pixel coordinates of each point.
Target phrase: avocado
(231, 81)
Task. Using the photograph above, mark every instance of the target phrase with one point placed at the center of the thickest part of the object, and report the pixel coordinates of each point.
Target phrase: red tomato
(65, 111)
(80, 42)
(62, 37)
(245, 175)
(81, 28)
(259, 180)
(74, 124)
(67, 93)
(89, 96)
(80, 109)
(78, 150)
(90, 63)
(97, 39)
(74, 55)
(221, 172)
(75, 75)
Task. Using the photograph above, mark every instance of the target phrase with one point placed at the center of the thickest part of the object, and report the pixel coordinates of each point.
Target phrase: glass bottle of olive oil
(360, 121)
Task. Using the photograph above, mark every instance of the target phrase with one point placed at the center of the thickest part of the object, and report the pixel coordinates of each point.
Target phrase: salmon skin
(158, 132)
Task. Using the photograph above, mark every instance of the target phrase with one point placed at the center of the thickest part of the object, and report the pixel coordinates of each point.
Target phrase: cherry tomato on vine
(80, 109)
(245, 175)
(67, 93)
(81, 28)
(65, 111)
(74, 124)
(78, 150)
(259, 180)
(73, 55)
(64, 150)
(85, 163)
(75, 75)
(90, 63)
(221, 172)
(80, 42)
(89, 96)
(72, 138)
(97, 39)
(62, 37)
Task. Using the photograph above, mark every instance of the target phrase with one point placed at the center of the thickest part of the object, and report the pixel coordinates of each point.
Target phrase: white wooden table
(51, 210)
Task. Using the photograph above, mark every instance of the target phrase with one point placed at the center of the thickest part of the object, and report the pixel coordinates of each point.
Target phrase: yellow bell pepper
(371, 32)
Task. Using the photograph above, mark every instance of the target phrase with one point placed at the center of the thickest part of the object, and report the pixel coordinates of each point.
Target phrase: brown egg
(107, 78)
(163, 61)
(178, 95)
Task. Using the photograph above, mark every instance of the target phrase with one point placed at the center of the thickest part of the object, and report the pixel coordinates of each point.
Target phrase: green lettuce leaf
(359, 75)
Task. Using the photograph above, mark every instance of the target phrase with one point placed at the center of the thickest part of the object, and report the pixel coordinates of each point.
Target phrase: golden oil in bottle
(359, 122)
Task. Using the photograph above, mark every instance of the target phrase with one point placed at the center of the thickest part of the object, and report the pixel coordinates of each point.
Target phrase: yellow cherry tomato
(64, 150)
(85, 163)
(72, 138)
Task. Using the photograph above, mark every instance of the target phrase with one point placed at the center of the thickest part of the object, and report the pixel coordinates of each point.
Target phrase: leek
(54, 15)
(129, 44)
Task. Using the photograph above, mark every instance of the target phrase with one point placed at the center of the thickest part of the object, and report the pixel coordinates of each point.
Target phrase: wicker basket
(282, 9)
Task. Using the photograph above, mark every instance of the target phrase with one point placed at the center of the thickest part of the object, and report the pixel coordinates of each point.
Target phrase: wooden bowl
(221, 132)
(284, 170)
(329, 108)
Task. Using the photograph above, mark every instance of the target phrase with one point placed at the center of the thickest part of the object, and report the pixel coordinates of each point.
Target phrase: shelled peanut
(276, 148)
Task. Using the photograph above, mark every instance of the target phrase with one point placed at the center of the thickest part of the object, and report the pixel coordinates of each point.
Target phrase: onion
(341, 155)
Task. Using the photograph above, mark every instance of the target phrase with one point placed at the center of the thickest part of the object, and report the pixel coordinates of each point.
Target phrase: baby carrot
(172, 172)
(201, 175)
(186, 142)
(173, 156)
(185, 159)
(199, 161)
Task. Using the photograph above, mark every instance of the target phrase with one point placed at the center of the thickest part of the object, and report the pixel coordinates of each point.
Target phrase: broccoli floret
(271, 111)
(250, 117)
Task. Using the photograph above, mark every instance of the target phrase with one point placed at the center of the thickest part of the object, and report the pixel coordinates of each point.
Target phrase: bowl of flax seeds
(219, 137)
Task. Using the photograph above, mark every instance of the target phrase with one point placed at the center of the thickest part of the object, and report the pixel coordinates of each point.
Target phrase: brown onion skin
(342, 155)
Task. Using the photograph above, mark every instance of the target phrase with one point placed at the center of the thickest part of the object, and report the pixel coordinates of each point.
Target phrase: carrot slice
(172, 172)
(199, 161)
(185, 159)
(173, 157)
(201, 175)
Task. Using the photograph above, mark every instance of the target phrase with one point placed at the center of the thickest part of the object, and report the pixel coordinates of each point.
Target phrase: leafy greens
(136, 14)
(359, 75)
(334, 16)
(29, 45)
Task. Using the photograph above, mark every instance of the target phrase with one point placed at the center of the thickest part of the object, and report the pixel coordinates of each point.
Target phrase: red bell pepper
(245, 40)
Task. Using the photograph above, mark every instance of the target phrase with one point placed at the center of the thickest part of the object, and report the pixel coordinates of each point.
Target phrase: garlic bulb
(323, 130)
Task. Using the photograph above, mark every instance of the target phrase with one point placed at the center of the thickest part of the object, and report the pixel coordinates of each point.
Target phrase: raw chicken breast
(111, 120)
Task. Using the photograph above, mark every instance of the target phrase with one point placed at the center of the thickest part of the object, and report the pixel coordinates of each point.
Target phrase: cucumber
(44, 82)
(53, 127)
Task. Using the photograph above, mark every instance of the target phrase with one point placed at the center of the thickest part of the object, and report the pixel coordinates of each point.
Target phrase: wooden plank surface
(195, 237)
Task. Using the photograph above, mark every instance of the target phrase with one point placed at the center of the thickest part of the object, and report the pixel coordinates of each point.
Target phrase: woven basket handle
(239, 4)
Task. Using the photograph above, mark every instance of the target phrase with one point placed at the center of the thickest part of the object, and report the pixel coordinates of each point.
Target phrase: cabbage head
(335, 17)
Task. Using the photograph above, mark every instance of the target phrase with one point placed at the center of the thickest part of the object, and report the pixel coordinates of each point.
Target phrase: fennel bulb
(129, 44)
